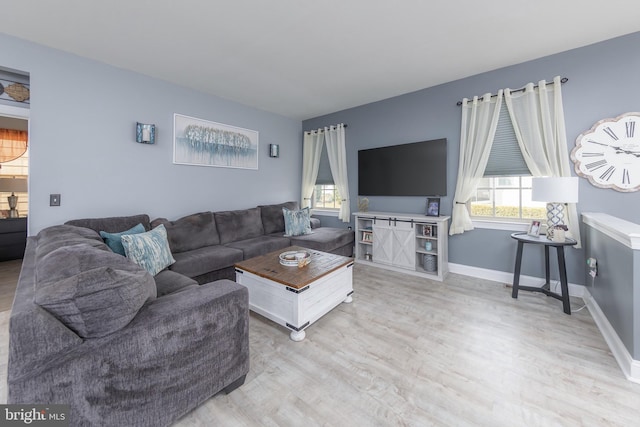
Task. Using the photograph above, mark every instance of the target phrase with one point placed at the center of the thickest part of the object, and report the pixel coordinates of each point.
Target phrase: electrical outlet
(54, 200)
(593, 267)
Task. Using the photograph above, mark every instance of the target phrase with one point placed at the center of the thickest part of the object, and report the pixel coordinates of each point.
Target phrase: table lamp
(556, 191)
(12, 185)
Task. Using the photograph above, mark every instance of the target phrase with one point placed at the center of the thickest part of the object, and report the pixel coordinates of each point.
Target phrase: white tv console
(397, 242)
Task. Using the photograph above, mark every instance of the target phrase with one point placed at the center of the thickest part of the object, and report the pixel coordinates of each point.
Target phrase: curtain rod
(522, 89)
(320, 130)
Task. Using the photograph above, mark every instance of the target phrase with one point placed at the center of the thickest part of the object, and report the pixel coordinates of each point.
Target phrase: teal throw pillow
(297, 222)
(149, 250)
(114, 240)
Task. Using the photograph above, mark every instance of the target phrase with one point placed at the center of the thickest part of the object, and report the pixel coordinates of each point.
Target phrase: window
(505, 190)
(325, 193)
(505, 197)
(17, 168)
(326, 196)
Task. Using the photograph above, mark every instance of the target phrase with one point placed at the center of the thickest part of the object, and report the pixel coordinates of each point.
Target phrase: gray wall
(616, 287)
(600, 85)
(82, 142)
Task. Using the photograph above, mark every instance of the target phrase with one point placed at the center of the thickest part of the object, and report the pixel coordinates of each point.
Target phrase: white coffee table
(296, 297)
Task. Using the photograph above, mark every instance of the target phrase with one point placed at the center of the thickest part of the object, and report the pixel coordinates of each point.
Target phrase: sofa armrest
(315, 223)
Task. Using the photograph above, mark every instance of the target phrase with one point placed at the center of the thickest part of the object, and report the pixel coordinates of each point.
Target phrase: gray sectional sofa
(91, 329)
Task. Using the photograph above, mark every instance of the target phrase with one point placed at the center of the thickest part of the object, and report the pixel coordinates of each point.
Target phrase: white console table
(410, 243)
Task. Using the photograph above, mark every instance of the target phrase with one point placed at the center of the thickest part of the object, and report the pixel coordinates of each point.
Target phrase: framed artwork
(426, 230)
(534, 228)
(203, 143)
(433, 206)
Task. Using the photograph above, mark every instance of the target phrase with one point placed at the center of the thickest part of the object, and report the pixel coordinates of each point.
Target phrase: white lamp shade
(561, 189)
(13, 185)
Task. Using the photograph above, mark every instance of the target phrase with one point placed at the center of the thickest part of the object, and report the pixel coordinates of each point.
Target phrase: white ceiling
(304, 58)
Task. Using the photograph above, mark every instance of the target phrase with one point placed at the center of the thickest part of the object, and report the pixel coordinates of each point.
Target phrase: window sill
(325, 212)
(494, 224)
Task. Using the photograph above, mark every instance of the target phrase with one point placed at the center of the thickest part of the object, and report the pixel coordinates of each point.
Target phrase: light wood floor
(411, 352)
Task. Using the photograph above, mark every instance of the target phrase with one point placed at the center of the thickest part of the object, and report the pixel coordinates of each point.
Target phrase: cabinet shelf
(398, 243)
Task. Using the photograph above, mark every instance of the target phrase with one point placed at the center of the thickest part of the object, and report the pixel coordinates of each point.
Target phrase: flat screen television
(415, 169)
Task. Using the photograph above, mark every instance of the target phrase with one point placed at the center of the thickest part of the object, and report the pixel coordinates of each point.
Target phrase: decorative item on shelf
(367, 256)
(428, 245)
(556, 191)
(145, 134)
(13, 185)
(427, 230)
(274, 150)
(430, 263)
(534, 228)
(367, 236)
(433, 206)
(363, 204)
(558, 233)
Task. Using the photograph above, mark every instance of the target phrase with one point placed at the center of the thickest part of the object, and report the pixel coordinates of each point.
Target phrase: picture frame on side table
(534, 228)
(433, 206)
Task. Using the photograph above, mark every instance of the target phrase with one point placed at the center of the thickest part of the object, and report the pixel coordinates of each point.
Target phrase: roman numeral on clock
(596, 165)
(610, 133)
(625, 176)
(631, 127)
(607, 174)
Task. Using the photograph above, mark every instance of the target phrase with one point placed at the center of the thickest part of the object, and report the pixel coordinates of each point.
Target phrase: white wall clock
(608, 154)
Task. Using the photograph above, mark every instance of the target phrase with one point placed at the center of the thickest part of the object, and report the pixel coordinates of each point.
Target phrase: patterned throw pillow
(296, 222)
(149, 250)
(114, 240)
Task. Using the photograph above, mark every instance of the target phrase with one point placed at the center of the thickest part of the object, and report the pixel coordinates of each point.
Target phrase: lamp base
(555, 216)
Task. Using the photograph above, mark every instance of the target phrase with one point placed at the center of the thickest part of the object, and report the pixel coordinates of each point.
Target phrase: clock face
(608, 154)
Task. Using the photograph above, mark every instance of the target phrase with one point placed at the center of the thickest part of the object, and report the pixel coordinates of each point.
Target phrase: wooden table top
(269, 267)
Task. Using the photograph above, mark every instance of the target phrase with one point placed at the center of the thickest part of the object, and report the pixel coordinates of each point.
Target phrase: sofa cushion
(192, 232)
(260, 245)
(204, 260)
(296, 222)
(239, 225)
(168, 282)
(149, 250)
(92, 291)
(113, 224)
(114, 240)
(57, 236)
(273, 218)
(325, 239)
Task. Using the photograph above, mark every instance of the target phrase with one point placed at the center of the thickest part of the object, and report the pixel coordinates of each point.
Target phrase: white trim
(493, 224)
(625, 232)
(9, 111)
(325, 212)
(575, 290)
(629, 366)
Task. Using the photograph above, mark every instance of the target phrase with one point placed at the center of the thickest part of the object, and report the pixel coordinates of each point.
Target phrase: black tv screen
(416, 169)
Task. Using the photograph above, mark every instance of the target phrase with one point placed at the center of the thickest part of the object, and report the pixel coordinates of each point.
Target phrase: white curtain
(479, 121)
(337, 152)
(538, 120)
(311, 150)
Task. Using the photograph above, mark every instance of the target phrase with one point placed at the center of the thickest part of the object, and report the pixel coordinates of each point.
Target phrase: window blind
(324, 169)
(505, 158)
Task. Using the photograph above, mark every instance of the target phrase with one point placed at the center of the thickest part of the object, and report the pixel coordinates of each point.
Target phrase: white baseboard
(506, 277)
(629, 366)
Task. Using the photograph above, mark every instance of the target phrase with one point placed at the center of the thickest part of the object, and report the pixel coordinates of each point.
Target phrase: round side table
(523, 238)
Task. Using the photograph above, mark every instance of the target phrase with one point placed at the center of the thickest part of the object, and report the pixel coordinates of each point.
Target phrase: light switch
(54, 200)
